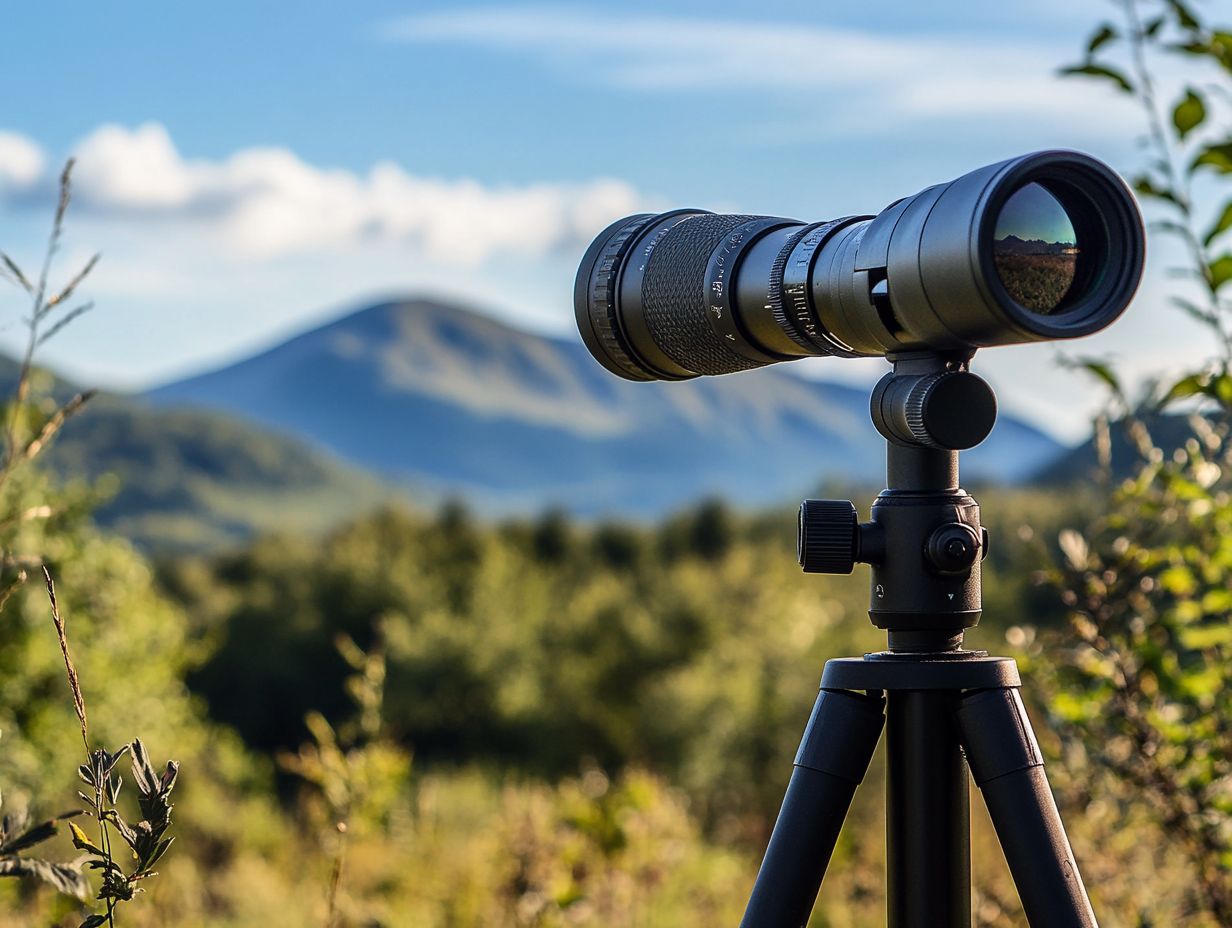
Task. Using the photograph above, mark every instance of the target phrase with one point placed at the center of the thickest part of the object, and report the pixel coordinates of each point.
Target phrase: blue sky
(252, 169)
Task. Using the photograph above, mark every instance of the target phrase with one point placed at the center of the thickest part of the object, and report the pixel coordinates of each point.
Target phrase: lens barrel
(1045, 246)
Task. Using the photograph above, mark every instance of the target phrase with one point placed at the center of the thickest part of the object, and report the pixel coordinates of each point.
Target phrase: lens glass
(1035, 249)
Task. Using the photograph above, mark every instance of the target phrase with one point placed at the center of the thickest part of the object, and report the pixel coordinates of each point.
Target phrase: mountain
(449, 401)
(186, 480)
(1080, 465)
(1013, 245)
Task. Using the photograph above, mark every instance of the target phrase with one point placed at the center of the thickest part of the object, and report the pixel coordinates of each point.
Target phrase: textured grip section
(914, 410)
(674, 296)
(826, 536)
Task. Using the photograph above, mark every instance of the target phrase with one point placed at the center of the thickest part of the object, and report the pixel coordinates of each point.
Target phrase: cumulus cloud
(268, 202)
(21, 162)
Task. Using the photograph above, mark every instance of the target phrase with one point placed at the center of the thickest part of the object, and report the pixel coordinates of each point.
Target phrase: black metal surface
(927, 816)
(919, 409)
(919, 276)
(1009, 769)
(911, 589)
(923, 671)
(833, 757)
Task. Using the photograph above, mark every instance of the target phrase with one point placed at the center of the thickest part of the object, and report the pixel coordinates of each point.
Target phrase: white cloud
(21, 162)
(873, 77)
(262, 203)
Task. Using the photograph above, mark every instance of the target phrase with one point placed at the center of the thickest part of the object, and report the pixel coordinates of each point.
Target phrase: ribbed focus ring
(674, 296)
(826, 538)
(603, 298)
(777, 306)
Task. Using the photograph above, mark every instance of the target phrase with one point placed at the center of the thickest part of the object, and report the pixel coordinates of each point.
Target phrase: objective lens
(1035, 249)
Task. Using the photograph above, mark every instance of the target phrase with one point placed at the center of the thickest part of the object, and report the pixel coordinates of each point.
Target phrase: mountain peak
(427, 392)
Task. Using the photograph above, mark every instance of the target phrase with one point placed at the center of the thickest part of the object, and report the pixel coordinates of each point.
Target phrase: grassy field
(1037, 281)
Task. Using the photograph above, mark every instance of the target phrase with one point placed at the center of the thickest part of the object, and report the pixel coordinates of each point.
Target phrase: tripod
(944, 708)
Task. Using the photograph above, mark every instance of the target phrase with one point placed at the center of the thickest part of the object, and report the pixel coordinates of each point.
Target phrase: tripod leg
(1006, 763)
(834, 754)
(927, 813)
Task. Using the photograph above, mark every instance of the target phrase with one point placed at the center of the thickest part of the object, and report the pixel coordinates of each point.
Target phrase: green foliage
(358, 771)
(1193, 142)
(1142, 683)
(1144, 689)
(147, 840)
(691, 646)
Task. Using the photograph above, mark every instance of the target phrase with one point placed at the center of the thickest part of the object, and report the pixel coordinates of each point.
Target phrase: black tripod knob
(954, 548)
(827, 537)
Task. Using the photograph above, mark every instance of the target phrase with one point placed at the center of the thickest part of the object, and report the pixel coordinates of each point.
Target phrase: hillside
(450, 401)
(194, 480)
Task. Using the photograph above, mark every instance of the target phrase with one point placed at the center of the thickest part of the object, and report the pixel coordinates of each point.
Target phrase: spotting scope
(1045, 246)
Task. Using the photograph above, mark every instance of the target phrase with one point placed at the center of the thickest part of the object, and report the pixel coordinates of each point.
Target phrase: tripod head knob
(931, 403)
(827, 538)
(954, 548)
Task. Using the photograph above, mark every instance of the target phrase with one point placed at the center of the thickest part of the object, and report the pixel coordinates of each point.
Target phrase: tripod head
(924, 541)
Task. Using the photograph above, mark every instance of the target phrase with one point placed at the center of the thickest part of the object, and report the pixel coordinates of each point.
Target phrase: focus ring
(796, 285)
(776, 288)
(604, 281)
(674, 296)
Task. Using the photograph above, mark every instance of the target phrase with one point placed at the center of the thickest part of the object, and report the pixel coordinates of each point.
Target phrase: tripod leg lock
(1001, 747)
(851, 720)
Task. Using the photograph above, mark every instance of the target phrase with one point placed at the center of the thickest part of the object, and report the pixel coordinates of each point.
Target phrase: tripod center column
(927, 813)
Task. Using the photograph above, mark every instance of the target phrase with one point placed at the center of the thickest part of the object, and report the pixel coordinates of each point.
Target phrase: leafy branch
(148, 839)
(17, 835)
(1186, 139)
(1142, 677)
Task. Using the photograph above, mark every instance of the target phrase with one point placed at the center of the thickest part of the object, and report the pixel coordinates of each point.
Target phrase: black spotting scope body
(1046, 246)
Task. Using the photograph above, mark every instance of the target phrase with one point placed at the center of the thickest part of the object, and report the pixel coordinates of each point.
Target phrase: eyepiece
(1048, 245)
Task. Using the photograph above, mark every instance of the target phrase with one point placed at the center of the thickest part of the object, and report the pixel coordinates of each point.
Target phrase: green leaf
(1101, 370)
(1144, 185)
(1184, 16)
(1189, 113)
(93, 921)
(83, 843)
(1192, 385)
(1218, 157)
(1101, 38)
(1221, 389)
(1220, 270)
(1221, 49)
(1091, 69)
(1222, 224)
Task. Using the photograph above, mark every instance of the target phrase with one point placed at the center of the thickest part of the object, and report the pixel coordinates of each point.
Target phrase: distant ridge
(192, 480)
(452, 402)
(1013, 245)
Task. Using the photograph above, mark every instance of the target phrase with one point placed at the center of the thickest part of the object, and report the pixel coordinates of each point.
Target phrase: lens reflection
(1035, 249)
